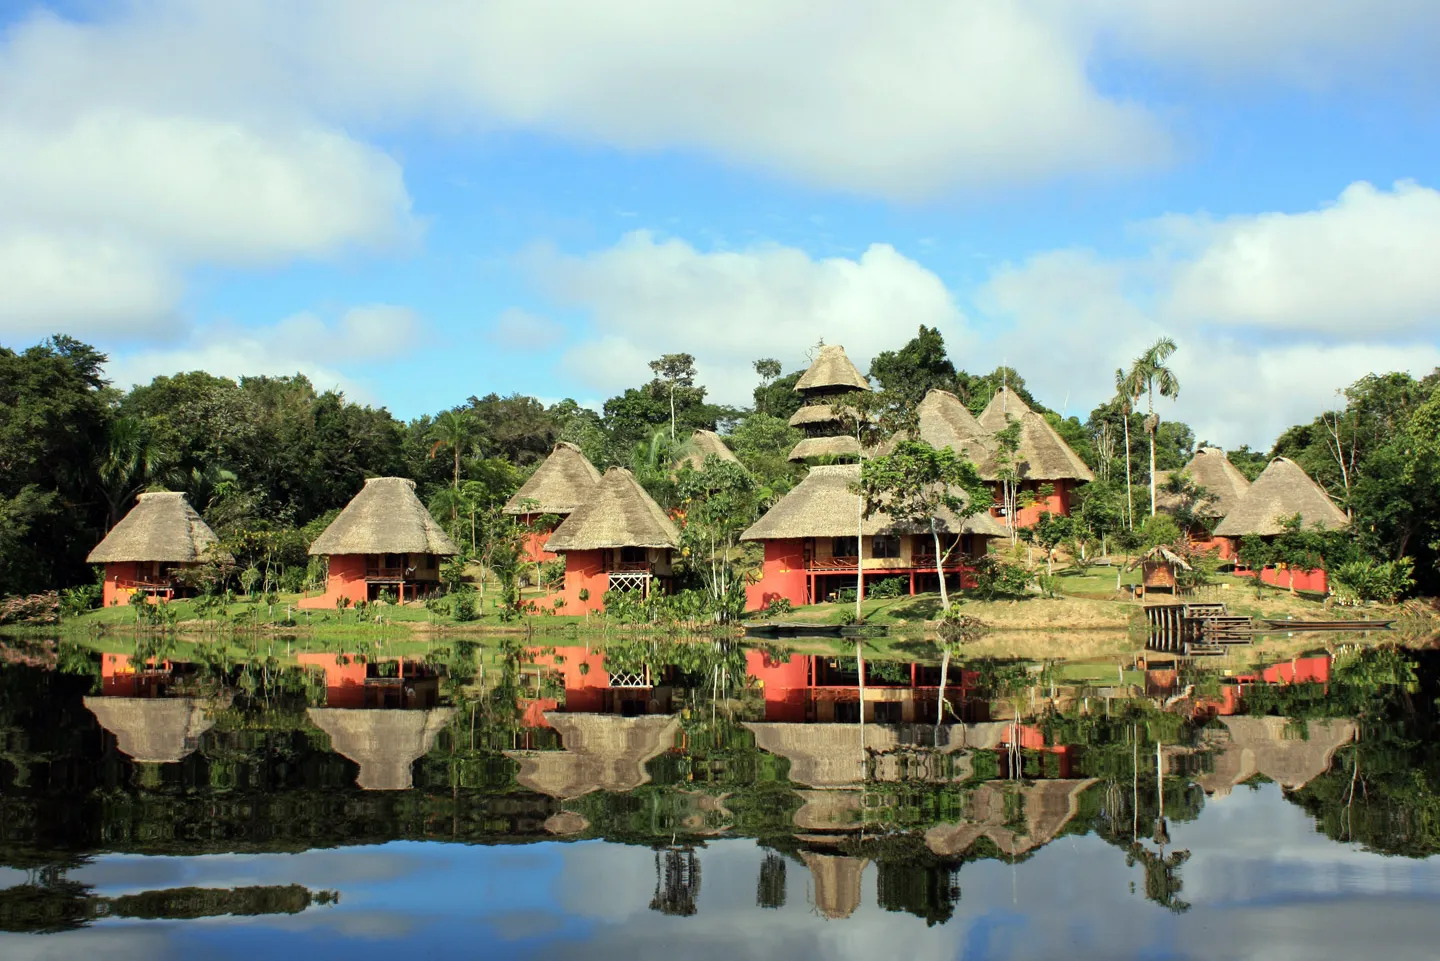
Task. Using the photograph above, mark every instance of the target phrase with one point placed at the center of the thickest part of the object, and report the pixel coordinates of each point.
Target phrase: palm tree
(458, 431)
(134, 458)
(1126, 392)
(1150, 374)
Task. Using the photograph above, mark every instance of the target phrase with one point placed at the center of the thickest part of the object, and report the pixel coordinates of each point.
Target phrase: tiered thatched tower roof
(830, 377)
(1283, 490)
(559, 485)
(618, 513)
(384, 518)
(162, 526)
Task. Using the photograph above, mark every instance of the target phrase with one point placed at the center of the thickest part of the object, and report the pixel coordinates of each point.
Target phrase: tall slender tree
(458, 431)
(1125, 395)
(1150, 374)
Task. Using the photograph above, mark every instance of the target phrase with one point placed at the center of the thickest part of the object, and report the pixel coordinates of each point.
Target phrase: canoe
(1287, 625)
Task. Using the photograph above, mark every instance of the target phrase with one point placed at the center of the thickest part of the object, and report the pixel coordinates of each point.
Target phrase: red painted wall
(784, 684)
(535, 552)
(347, 579)
(1224, 547)
(585, 685)
(118, 578)
(1316, 581)
(584, 570)
(1056, 503)
(781, 576)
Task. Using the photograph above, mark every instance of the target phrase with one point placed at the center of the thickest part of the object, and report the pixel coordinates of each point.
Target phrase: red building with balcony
(160, 537)
(559, 485)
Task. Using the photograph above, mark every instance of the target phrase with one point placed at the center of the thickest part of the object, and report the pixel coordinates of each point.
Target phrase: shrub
(778, 605)
(888, 587)
(1371, 580)
(75, 601)
(463, 605)
(437, 605)
(995, 578)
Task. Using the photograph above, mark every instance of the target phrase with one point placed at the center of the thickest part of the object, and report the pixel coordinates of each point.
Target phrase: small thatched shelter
(836, 882)
(384, 539)
(829, 378)
(603, 752)
(1048, 806)
(1270, 747)
(619, 539)
(1212, 470)
(161, 534)
(154, 730)
(1283, 490)
(385, 743)
(702, 445)
(818, 522)
(1160, 564)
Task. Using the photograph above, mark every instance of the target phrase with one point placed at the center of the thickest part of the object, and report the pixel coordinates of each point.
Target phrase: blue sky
(418, 203)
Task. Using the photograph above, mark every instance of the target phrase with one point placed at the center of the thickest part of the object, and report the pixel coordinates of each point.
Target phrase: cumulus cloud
(303, 343)
(647, 296)
(517, 329)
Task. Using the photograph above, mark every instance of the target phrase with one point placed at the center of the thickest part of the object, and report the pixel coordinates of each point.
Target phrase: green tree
(1149, 371)
(718, 502)
(458, 431)
(135, 457)
(915, 369)
(674, 371)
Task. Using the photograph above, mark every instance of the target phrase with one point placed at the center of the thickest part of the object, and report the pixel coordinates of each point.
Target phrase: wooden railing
(385, 573)
(632, 567)
(833, 563)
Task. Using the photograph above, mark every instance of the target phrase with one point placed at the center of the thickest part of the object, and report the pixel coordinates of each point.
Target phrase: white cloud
(302, 343)
(517, 329)
(648, 296)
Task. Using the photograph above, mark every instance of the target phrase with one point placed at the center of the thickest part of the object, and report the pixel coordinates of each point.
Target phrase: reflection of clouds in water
(519, 925)
(9, 877)
(606, 881)
(115, 943)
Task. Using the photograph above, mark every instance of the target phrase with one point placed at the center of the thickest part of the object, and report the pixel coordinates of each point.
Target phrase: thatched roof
(832, 370)
(560, 484)
(603, 752)
(384, 518)
(1283, 490)
(1048, 805)
(566, 822)
(385, 743)
(1212, 470)
(1263, 745)
(1160, 554)
(162, 526)
(154, 730)
(1043, 453)
(945, 422)
(829, 756)
(822, 505)
(837, 882)
(702, 445)
(618, 514)
(840, 446)
(814, 414)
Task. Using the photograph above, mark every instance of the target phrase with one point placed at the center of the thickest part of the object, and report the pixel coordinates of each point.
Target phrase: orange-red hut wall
(782, 575)
(584, 571)
(347, 579)
(1056, 503)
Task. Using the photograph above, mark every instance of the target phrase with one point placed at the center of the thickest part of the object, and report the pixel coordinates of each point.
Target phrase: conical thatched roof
(1283, 490)
(618, 514)
(603, 752)
(385, 743)
(1048, 805)
(1043, 453)
(945, 422)
(384, 518)
(154, 730)
(1212, 470)
(842, 445)
(1263, 745)
(560, 484)
(814, 414)
(837, 882)
(832, 370)
(822, 505)
(703, 444)
(829, 756)
(162, 526)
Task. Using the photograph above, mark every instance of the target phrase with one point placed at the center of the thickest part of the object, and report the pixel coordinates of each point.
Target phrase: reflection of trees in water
(677, 882)
(770, 889)
(1162, 875)
(927, 889)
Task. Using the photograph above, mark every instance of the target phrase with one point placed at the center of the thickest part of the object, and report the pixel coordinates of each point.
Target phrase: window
(844, 547)
(634, 555)
(884, 545)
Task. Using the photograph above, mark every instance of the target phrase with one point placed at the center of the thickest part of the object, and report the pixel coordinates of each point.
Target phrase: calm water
(716, 801)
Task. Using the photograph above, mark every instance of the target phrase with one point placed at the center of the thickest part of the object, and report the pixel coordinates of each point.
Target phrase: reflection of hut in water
(566, 822)
(385, 743)
(1271, 747)
(354, 681)
(836, 882)
(1047, 807)
(1161, 568)
(155, 730)
(602, 752)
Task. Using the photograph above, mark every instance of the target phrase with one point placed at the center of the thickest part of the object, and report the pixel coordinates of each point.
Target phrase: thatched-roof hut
(619, 539)
(385, 743)
(154, 730)
(603, 752)
(384, 539)
(1212, 470)
(945, 422)
(702, 445)
(1269, 746)
(160, 534)
(1043, 456)
(1161, 565)
(836, 882)
(1048, 806)
(1283, 490)
(818, 522)
(830, 377)
(561, 483)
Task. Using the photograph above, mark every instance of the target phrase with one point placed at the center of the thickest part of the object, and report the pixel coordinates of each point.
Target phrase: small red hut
(161, 536)
(559, 485)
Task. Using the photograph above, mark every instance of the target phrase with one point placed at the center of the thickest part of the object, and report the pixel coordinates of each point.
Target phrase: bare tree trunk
(944, 676)
(1129, 492)
(860, 683)
(1150, 426)
(940, 568)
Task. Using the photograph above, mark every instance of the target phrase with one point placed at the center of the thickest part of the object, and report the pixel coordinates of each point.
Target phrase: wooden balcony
(385, 574)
